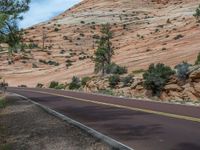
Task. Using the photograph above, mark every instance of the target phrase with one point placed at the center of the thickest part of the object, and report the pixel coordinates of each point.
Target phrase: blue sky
(42, 10)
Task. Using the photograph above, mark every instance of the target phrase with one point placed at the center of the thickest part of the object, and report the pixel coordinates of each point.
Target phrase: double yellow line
(125, 107)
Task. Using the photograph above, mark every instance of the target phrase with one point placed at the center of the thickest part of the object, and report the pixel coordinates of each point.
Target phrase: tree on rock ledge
(104, 51)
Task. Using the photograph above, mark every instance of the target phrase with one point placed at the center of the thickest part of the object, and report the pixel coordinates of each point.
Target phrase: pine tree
(106, 37)
(10, 11)
(104, 51)
(197, 13)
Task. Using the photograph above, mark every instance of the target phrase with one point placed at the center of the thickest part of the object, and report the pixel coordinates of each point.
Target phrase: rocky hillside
(175, 90)
(145, 31)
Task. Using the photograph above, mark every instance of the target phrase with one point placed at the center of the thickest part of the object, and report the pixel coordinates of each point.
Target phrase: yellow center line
(125, 107)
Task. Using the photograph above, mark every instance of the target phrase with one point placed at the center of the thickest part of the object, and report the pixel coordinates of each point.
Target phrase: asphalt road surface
(142, 125)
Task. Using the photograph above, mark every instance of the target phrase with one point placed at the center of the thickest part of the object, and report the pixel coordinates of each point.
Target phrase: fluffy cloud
(42, 10)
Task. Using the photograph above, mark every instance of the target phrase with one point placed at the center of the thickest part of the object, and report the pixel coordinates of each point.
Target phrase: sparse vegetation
(178, 37)
(157, 30)
(197, 62)
(82, 57)
(39, 85)
(82, 22)
(107, 92)
(22, 86)
(53, 84)
(2, 102)
(156, 77)
(197, 13)
(182, 70)
(62, 51)
(115, 69)
(85, 80)
(138, 71)
(6, 147)
(50, 62)
(60, 86)
(68, 63)
(32, 46)
(114, 80)
(75, 83)
(56, 85)
(128, 80)
(56, 29)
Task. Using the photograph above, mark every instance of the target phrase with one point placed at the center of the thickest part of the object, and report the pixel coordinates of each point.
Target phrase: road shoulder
(25, 126)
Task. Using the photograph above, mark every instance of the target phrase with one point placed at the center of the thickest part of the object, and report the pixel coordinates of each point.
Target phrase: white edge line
(113, 143)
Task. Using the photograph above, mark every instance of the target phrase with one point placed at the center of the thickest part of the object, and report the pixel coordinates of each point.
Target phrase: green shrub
(197, 13)
(182, 70)
(114, 80)
(2, 102)
(178, 37)
(22, 86)
(39, 85)
(53, 84)
(198, 60)
(127, 80)
(106, 92)
(75, 84)
(32, 45)
(43, 61)
(62, 51)
(50, 62)
(85, 80)
(68, 63)
(6, 147)
(60, 86)
(138, 71)
(115, 69)
(56, 29)
(156, 77)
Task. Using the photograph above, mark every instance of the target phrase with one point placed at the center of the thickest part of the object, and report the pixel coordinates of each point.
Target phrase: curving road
(142, 125)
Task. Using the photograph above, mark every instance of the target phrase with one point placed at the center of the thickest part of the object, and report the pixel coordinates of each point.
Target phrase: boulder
(195, 74)
(190, 93)
(90, 86)
(137, 81)
(197, 87)
(102, 85)
(173, 80)
(174, 95)
(173, 87)
(139, 87)
(164, 96)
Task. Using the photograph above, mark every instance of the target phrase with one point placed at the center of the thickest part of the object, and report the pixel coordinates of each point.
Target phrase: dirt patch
(25, 126)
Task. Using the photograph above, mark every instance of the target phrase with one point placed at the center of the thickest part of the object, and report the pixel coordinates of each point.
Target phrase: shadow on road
(187, 146)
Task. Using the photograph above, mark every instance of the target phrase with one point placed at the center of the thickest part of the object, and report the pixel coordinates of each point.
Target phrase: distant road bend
(142, 125)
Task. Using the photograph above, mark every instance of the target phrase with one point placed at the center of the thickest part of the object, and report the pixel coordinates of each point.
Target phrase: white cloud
(44, 10)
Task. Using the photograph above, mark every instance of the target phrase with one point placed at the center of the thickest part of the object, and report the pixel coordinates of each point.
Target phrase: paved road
(141, 125)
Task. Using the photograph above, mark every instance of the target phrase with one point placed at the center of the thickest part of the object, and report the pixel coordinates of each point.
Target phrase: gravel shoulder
(25, 126)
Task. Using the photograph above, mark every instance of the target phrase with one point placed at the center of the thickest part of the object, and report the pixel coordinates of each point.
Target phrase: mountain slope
(145, 31)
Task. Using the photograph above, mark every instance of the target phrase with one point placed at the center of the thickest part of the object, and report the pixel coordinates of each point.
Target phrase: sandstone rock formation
(145, 32)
